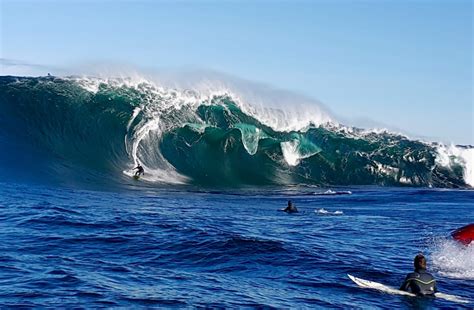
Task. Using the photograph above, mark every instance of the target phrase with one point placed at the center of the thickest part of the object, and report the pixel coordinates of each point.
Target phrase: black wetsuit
(140, 170)
(291, 209)
(419, 282)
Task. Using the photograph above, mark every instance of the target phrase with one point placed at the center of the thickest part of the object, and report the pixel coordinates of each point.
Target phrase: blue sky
(405, 64)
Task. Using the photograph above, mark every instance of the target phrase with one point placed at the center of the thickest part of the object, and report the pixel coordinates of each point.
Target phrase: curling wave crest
(99, 129)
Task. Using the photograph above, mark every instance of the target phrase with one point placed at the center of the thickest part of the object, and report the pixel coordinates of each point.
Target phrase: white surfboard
(390, 290)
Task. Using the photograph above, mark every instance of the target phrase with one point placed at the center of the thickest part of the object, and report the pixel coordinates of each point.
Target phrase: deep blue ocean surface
(62, 247)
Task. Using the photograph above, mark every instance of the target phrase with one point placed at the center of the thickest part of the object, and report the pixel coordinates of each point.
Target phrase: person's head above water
(420, 261)
(290, 203)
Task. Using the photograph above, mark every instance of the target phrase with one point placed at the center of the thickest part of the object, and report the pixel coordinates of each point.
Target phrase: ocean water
(203, 227)
(188, 247)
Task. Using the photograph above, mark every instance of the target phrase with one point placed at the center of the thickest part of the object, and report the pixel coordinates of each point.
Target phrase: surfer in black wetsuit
(290, 208)
(419, 282)
(140, 170)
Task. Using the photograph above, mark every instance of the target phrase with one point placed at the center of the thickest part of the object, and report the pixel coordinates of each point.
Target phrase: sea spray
(453, 259)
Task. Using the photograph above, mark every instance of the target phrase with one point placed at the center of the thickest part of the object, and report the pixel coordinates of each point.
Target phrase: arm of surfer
(406, 284)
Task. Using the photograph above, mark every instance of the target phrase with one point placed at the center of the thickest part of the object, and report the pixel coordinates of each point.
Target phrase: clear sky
(406, 64)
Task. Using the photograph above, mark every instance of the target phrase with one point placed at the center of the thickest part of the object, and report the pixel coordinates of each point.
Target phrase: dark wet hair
(420, 261)
(289, 202)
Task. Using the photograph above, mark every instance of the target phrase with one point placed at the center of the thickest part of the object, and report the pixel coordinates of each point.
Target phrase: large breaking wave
(83, 129)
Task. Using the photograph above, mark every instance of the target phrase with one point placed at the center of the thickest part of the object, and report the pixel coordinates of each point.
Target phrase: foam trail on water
(323, 211)
(453, 260)
(136, 111)
(134, 115)
(330, 192)
(164, 172)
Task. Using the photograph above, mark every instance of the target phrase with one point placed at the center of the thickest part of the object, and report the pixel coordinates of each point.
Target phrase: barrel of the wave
(464, 235)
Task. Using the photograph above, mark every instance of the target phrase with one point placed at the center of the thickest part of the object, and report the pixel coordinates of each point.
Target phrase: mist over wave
(88, 129)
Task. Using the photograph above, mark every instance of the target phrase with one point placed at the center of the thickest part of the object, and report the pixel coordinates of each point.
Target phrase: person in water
(290, 208)
(419, 282)
(140, 170)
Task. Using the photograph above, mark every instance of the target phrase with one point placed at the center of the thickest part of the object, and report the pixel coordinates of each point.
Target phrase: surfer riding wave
(140, 171)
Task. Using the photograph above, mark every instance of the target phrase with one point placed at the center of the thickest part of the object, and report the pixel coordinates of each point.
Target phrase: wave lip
(458, 155)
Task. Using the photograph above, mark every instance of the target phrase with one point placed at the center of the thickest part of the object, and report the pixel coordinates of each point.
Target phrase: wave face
(84, 129)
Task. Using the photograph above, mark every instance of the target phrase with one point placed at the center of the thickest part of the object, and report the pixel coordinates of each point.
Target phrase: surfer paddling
(290, 208)
(419, 282)
(140, 171)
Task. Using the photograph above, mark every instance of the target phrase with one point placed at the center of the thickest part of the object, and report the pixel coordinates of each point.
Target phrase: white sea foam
(453, 260)
(330, 192)
(449, 155)
(282, 111)
(136, 111)
(297, 149)
(290, 152)
(158, 169)
(323, 211)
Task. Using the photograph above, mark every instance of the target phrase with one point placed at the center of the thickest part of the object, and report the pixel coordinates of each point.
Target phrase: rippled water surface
(233, 248)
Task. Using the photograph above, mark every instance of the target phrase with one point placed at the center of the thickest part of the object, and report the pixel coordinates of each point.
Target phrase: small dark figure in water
(419, 282)
(140, 170)
(290, 208)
